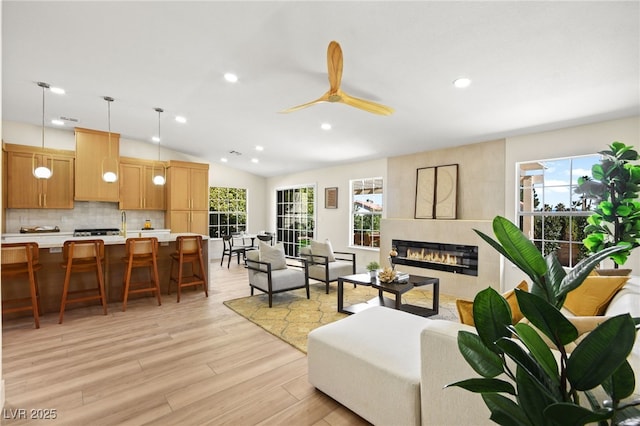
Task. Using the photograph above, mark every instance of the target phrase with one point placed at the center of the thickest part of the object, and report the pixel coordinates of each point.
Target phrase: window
(550, 211)
(366, 211)
(295, 218)
(227, 211)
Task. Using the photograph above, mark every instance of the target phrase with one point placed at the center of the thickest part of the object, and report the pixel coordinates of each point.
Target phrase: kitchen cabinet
(187, 197)
(24, 191)
(137, 190)
(92, 148)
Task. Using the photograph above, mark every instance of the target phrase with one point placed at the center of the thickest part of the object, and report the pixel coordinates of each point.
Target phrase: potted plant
(373, 267)
(615, 187)
(522, 383)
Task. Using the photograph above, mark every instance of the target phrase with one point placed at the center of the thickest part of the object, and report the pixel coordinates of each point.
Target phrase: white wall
(331, 223)
(580, 140)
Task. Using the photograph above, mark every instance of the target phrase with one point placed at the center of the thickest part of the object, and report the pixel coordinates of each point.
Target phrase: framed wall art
(425, 193)
(437, 192)
(446, 191)
(331, 198)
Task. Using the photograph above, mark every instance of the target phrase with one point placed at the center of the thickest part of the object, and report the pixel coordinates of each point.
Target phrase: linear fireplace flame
(454, 258)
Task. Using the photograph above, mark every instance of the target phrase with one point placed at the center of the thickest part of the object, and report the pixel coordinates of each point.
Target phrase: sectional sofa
(390, 367)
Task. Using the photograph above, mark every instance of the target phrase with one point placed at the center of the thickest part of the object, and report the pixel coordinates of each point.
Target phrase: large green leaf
(567, 414)
(485, 386)
(516, 247)
(546, 318)
(528, 365)
(504, 411)
(554, 276)
(484, 361)
(601, 353)
(532, 401)
(539, 350)
(492, 316)
(581, 271)
(622, 383)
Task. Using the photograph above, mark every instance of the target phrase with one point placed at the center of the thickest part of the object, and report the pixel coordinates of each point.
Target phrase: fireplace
(456, 258)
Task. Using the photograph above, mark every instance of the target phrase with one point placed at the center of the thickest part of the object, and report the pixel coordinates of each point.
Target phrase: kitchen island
(51, 276)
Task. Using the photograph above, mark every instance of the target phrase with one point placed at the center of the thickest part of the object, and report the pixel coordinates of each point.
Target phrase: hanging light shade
(41, 171)
(109, 164)
(159, 177)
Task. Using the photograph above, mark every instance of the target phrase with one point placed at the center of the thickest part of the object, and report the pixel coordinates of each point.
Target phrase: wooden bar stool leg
(180, 266)
(103, 296)
(203, 275)
(156, 279)
(35, 305)
(65, 291)
(127, 281)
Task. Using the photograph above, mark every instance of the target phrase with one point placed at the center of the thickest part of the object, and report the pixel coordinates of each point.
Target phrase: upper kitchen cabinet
(187, 197)
(24, 191)
(137, 190)
(93, 147)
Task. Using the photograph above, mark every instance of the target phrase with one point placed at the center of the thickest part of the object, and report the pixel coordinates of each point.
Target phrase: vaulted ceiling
(534, 66)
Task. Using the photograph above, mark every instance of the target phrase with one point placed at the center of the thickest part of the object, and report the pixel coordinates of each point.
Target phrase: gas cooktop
(95, 231)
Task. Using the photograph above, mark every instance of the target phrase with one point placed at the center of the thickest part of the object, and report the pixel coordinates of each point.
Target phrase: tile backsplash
(85, 214)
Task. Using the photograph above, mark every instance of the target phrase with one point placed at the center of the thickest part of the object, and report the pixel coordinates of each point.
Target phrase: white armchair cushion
(281, 279)
(273, 255)
(323, 249)
(339, 268)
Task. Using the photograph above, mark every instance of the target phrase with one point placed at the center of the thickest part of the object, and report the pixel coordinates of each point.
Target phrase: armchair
(327, 265)
(275, 275)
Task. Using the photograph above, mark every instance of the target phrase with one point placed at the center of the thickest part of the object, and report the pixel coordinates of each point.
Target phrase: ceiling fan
(334, 94)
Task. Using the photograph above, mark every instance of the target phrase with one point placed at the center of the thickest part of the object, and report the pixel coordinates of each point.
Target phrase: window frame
(372, 233)
(538, 224)
(234, 218)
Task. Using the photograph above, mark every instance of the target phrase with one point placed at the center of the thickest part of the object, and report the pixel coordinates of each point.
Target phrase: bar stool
(189, 250)
(141, 253)
(83, 256)
(22, 259)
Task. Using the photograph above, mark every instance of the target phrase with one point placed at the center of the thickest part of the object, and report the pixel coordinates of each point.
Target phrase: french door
(295, 217)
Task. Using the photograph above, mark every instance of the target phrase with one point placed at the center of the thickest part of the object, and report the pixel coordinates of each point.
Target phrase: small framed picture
(331, 198)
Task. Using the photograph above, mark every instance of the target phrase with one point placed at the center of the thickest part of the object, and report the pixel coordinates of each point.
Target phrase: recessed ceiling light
(57, 122)
(224, 159)
(155, 139)
(230, 77)
(181, 119)
(57, 90)
(325, 126)
(259, 148)
(254, 160)
(462, 82)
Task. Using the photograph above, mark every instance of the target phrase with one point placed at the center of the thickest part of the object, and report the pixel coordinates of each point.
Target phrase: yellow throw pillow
(592, 297)
(465, 307)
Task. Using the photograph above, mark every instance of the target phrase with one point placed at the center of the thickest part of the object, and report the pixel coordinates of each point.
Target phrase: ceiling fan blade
(365, 105)
(334, 65)
(323, 98)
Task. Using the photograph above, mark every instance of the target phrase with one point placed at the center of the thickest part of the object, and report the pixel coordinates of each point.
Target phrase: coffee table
(395, 288)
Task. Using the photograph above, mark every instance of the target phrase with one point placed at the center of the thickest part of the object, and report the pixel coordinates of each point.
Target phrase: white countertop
(57, 239)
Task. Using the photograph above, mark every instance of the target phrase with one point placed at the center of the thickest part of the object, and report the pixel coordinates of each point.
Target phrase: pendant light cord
(160, 111)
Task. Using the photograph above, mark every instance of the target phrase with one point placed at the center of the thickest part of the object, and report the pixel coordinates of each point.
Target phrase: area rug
(292, 316)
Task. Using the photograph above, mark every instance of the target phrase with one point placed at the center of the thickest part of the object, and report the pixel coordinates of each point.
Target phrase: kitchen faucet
(123, 225)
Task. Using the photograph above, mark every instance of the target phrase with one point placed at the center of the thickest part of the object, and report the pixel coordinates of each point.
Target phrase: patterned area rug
(292, 316)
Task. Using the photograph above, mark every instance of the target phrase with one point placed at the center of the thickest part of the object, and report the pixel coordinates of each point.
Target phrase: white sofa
(390, 366)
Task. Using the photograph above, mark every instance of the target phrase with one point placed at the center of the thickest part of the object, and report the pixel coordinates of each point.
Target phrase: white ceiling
(534, 65)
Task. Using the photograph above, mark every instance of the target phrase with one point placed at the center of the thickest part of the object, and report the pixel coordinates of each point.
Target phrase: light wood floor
(192, 363)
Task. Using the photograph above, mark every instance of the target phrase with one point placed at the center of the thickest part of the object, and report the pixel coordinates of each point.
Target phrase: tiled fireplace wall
(450, 232)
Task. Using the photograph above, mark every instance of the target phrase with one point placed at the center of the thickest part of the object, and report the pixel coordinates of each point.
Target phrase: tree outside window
(550, 211)
(227, 211)
(366, 211)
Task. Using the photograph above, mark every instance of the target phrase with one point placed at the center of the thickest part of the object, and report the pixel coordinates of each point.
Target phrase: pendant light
(161, 177)
(42, 171)
(109, 164)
